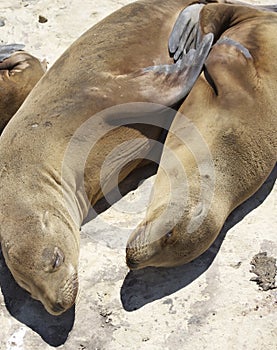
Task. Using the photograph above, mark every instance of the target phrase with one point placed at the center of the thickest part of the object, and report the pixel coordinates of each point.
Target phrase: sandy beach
(207, 304)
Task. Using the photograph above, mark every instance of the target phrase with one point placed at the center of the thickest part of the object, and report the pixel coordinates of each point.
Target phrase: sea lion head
(44, 259)
(165, 239)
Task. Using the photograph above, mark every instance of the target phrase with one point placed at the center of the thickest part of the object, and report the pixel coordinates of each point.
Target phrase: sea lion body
(224, 139)
(19, 72)
(42, 199)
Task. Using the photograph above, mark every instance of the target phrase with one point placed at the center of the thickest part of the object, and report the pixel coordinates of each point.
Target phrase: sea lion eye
(58, 258)
(167, 236)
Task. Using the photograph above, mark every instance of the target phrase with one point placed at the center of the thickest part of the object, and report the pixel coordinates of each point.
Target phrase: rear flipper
(197, 20)
(185, 33)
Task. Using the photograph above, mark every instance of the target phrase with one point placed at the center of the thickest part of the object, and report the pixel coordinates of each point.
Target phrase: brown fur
(42, 196)
(236, 117)
(18, 75)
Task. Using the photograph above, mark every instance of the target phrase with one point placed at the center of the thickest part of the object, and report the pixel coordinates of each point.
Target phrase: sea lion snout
(153, 254)
(137, 249)
(58, 308)
(130, 261)
(135, 259)
(140, 254)
(65, 297)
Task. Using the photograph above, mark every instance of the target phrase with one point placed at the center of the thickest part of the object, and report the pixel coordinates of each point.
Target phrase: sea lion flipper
(7, 50)
(185, 33)
(172, 82)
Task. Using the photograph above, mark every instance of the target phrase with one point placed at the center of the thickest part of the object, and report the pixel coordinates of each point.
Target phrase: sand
(208, 304)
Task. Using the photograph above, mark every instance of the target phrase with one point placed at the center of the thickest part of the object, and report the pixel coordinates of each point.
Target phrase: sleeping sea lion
(224, 138)
(45, 191)
(19, 72)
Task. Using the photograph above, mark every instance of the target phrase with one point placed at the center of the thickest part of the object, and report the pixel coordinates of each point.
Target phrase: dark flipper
(168, 84)
(185, 33)
(7, 50)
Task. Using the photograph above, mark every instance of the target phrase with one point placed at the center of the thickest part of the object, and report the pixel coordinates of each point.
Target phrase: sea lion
(45, 191)
(224, 138)
(19, 72)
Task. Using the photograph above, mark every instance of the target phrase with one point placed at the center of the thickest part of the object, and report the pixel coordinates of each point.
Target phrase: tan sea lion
(224, 139)
(19, 72)
(47, 182)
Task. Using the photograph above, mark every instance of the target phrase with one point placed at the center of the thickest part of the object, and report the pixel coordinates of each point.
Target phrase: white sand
(208, 304)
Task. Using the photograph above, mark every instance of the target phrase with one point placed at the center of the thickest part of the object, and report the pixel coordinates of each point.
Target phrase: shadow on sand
(144, 286)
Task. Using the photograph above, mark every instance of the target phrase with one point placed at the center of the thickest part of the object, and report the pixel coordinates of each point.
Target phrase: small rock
(2, 23)
(145, 339)
(237, 265)
(105, 313)
(42, 19)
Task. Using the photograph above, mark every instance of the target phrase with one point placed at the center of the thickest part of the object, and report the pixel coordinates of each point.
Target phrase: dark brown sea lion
(224, 138)
(46, 181)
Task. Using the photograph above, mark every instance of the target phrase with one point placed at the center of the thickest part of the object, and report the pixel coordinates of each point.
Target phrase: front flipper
(168, 84)
(185, 33)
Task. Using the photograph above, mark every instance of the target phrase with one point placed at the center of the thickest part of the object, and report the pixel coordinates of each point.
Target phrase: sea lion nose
(132, 264)
(130, 261)
(57, 307)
